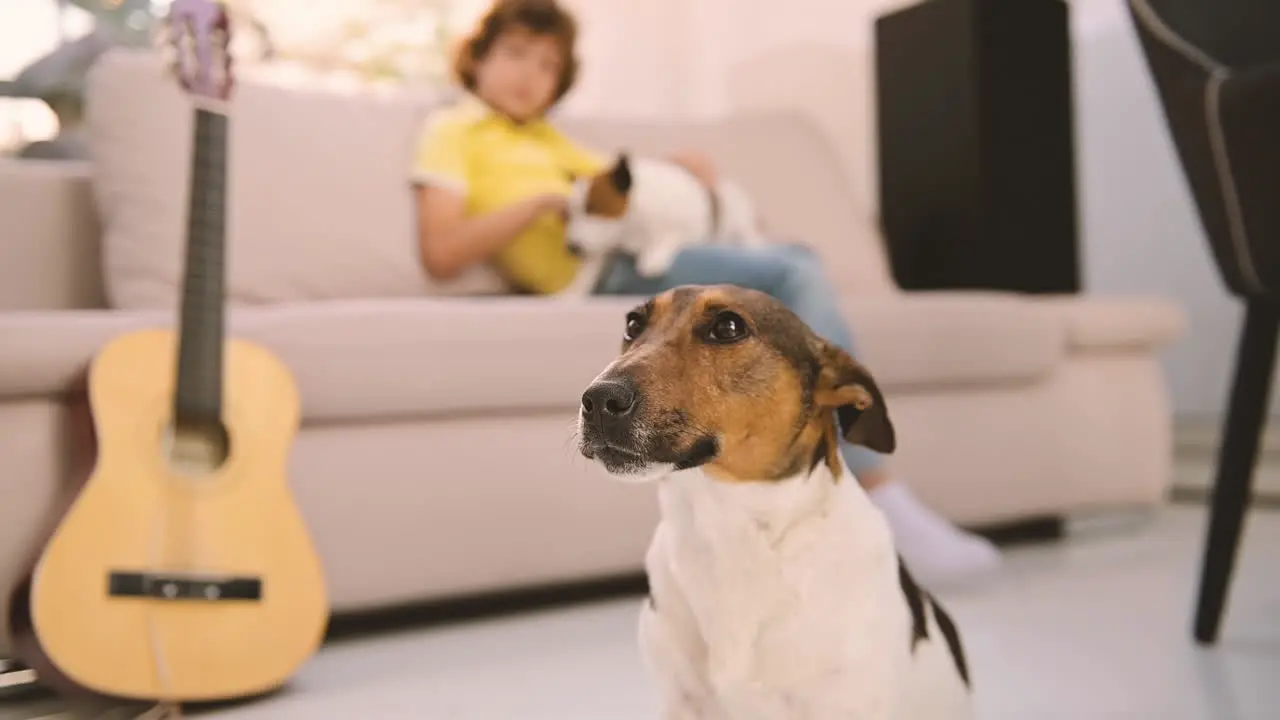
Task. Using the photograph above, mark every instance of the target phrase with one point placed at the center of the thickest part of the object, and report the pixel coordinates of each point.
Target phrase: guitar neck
(198, 399)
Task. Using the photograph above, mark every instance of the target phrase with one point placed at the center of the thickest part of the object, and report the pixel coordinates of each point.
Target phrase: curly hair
(540, 17)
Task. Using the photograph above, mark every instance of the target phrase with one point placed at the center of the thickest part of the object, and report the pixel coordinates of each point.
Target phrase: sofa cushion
(369, 359)
(318, 206)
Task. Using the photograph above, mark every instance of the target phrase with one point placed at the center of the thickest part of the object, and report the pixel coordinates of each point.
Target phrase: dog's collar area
(772, 507)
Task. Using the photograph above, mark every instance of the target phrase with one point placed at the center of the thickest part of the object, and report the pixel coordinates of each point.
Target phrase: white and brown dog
(650, 209)
(775, 590)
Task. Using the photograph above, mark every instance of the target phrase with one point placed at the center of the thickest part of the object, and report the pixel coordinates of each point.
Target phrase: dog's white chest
(777, 602)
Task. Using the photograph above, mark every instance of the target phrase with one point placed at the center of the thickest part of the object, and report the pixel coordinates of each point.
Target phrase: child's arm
(451, 242)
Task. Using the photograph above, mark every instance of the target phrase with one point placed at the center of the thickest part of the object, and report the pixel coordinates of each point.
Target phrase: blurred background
(992, 184)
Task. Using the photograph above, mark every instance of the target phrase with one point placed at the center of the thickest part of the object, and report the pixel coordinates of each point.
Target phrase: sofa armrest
(920, 340)
(1123, 324)
(1090, 322)
(49, 236)
(47, 351)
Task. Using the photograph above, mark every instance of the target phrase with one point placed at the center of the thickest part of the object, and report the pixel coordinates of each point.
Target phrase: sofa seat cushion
(1122, 324)
(363, 359)
(382, 359)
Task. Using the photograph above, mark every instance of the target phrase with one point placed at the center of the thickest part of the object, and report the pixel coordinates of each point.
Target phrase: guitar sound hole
(197, 448)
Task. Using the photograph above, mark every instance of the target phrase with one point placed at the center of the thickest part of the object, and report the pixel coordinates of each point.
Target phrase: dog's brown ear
(607, 192)
(620, 174)
(848, 388)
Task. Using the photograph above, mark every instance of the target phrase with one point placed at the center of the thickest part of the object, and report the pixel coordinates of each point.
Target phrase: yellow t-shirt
(494, 162)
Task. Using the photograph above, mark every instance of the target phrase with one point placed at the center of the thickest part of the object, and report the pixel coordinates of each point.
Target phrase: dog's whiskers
(574, 440)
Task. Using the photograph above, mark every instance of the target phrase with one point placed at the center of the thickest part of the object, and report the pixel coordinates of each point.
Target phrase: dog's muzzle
(608, 425)
(616, 430)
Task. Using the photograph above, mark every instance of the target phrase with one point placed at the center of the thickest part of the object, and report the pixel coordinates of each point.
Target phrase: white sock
(935, 551)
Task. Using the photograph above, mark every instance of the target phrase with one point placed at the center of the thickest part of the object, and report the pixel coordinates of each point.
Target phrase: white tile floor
(1092, 629)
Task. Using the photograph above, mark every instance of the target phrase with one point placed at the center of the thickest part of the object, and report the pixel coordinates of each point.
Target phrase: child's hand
(698, 164)
(552, 203)
(548, 204)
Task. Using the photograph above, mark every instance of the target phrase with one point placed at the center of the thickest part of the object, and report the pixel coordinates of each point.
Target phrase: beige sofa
(435, 456)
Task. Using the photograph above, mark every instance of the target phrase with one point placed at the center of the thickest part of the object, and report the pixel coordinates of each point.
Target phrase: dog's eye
(635, 326)
(728, 327)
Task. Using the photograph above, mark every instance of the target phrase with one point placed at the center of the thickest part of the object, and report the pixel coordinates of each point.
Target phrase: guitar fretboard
(198, 399)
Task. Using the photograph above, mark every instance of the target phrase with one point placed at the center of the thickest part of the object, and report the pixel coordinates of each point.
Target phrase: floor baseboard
(1199, 496)
(1196, 455)
(485, 605)
(1200, 436)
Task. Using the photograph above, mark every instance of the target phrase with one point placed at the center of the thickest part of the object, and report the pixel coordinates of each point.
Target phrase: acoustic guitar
(182, 570)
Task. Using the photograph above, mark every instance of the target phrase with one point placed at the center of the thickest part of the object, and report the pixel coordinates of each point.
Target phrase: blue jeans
(790, 273)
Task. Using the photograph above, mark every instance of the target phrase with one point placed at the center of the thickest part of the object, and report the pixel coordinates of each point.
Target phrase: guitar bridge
(172, 586)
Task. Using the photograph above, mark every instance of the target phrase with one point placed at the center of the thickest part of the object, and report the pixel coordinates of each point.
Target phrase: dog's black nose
(609, 400)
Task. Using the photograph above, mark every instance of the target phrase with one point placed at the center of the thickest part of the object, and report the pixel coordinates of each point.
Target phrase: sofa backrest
(835, 86)
(319, 201)
(49, 237)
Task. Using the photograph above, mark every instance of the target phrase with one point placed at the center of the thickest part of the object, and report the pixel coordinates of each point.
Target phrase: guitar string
(160, 534)
(164, 522)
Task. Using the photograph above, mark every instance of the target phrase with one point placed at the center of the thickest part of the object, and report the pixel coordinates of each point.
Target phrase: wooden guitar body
(147, 589)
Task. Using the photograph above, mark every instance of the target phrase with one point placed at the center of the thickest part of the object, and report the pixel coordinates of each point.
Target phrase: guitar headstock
(200, 35)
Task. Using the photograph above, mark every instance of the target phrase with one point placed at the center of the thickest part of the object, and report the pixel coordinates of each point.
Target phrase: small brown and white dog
(775, 590)
(652, 208)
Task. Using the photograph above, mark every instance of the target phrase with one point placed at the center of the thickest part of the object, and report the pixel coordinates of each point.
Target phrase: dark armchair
(1216, 65)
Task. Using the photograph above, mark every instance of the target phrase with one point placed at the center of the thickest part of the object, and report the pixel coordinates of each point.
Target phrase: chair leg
(1237, 458)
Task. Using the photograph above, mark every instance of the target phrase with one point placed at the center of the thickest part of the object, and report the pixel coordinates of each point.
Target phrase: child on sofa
(492, 179)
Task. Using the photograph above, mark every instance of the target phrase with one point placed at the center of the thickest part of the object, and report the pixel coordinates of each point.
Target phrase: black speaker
(977, 166)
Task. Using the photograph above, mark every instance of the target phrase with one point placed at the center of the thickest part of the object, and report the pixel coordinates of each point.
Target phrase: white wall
(671, 57)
